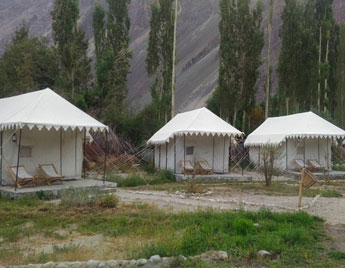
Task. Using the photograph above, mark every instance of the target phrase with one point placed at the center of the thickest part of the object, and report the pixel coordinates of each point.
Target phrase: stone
(111, 264)
(181, 258)
(155, 259)
(133, 263)
(257, 224)
(92, 264)
(223, 255)
(75, 264)
(61, 265)
(165, 259)
(101, 265)
(48, 265)
(264, 253)
(141, 262)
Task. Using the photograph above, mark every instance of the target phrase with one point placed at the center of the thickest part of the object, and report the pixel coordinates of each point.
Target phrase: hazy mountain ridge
(197, 42)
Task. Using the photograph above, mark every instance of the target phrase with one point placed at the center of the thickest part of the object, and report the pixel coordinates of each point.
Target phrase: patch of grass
(337, 255)
(292, 238)
(331, 193)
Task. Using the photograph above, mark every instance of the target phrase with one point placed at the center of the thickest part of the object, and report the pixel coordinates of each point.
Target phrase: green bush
(42, 195)
(108, 201)
(80, 197)
(132, 181)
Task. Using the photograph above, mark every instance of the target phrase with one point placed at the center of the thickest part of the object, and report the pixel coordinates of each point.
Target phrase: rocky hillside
(197, 44)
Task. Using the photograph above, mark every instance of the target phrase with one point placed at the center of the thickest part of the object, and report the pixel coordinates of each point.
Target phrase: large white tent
(194, 135)
(42, 127)
(303, 136)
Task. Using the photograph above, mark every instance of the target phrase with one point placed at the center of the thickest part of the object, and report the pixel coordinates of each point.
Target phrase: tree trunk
(326, 79)
(287, 105)
(173, 64)
(243, 121)
(235, 116)
(319, 82)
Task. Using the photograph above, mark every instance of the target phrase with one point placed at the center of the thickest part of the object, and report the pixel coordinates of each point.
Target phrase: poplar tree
(111, 32)
(241, 44)
(159, 61)
(268, 61)
(340, 78)
(71, 47)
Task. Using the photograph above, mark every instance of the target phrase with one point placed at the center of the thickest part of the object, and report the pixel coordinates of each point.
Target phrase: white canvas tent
(42, 127)
(304, 136)
(195, 135)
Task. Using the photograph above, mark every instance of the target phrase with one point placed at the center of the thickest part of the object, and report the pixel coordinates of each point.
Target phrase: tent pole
(105, 156)
(1, 155)
(327, 156)
(318, 149)
(75, 153)
(259, 156)
(184, 149)
(230, 155)
(224, 156)
(166, 155)
(213, 154)
(20, 143)
(174, 154)
(286, 154)
(304, 151)
(159, 157)
(84, 162)
(61, 151)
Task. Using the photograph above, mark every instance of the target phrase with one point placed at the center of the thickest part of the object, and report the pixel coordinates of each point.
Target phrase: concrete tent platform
(233, 177)
(57, 189)
(334, 175)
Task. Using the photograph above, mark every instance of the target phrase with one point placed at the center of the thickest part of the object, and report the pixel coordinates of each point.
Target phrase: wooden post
(213, 154)
(286, 154)
(300, 192)
(224, 157)
(159, 167)
(20, 143)
(230, 155)
(304, 151)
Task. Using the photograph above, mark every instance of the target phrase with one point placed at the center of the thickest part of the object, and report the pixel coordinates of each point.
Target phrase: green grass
(294, 239)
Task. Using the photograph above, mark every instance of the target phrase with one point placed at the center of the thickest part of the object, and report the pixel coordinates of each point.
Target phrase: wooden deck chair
(187, 167)
(204, 167)
(314, 165)
(300, 164)
(24, 178)
(51, 174)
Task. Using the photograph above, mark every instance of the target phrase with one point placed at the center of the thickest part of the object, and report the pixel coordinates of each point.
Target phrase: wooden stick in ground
(300, 190)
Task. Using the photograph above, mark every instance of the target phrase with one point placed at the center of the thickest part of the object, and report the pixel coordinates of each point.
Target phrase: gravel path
(330, 209)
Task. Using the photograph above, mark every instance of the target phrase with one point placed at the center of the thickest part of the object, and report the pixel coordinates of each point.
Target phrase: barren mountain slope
(197, 42)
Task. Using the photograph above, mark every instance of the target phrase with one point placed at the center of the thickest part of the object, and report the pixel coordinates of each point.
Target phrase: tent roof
(44, 108)
(303, 125)
(199, 122)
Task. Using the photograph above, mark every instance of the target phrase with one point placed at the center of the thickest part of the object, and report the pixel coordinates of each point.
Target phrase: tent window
(26, 151)
(190, 150)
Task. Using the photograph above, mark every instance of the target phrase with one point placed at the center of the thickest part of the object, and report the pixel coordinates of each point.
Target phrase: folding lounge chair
(187, 167)
(204, 167)
(300, 164)
(314, 165)
(24, 178)
(50, 173)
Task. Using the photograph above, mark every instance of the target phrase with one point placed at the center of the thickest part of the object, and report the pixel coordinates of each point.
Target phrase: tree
(160, 55)
(240, 49)
(340, 78)
(27, 64)
(71, 47)
(268, 62)
(111, 31)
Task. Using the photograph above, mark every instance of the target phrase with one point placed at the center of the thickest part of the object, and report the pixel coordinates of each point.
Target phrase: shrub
(108, 201)
(132, 181)
(166, 176)
(42, 195)
(80, 197)
(243, 226)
